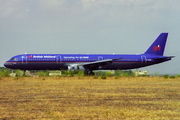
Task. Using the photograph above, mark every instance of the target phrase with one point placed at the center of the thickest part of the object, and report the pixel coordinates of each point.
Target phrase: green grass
(103, 77)
(95, 77)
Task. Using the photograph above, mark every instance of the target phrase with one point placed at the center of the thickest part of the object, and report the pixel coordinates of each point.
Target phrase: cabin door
(58, 59)
(143, 58)
(24, 59)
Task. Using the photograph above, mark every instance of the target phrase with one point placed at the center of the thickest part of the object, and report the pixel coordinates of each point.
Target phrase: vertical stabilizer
(158, 46)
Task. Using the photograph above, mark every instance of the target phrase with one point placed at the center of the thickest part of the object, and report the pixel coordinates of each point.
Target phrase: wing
(98, 63)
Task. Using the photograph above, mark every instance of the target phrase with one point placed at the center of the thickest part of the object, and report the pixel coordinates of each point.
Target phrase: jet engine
(76, 68)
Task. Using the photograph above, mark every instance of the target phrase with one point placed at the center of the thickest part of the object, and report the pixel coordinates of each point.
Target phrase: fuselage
(62, 61)
(90, 62)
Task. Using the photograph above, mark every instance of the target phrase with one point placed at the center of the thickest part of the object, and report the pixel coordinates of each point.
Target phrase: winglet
(158, 46)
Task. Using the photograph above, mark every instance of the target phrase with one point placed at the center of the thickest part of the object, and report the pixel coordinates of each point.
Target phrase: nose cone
(7, 65)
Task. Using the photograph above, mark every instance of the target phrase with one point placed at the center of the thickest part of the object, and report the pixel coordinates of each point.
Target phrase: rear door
(143, 58)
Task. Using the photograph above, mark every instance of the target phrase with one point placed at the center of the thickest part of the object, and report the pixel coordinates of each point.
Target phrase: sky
(90, 26)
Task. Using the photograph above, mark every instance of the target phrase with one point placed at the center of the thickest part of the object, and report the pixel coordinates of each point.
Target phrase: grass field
(89, 98)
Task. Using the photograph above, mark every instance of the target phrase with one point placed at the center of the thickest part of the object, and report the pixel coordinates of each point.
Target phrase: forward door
(24, 59)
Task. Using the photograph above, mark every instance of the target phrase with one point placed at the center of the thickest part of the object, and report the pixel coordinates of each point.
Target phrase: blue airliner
(90, 62)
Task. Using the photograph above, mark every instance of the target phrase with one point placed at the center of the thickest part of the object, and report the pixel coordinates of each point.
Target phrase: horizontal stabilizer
(164, 58)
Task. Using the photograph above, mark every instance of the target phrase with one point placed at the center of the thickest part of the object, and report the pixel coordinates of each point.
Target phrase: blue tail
(158, 46)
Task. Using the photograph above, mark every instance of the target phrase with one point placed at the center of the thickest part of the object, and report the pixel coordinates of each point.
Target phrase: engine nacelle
(76, 68)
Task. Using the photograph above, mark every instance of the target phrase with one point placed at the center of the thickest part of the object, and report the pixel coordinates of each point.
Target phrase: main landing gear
(88, 72)
(24, 73)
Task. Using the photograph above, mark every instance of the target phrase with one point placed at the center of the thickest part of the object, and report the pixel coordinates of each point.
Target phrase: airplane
(89, 62)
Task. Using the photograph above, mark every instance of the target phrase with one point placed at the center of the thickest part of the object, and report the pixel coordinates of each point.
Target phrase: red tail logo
(157, 48)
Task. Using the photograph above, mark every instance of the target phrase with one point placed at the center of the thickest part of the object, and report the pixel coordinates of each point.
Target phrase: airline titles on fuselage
(45, 56)
(65, 57)
(81, 57)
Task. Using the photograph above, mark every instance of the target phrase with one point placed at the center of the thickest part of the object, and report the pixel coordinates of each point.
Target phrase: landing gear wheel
(24, 74)
(85, 72)
(91, 73)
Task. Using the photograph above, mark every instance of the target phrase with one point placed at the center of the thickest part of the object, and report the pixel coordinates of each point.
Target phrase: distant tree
(118, 73)
(81, 73)
(156, 74)
(166, 76)
(41, 74)
(47, 73)
(19, 73)
(4, 73)
(71, 73)
(108, 73)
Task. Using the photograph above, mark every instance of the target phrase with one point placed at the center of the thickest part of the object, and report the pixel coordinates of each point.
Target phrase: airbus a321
(90, 62)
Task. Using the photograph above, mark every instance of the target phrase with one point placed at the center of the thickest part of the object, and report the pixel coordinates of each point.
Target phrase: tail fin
(158, 46)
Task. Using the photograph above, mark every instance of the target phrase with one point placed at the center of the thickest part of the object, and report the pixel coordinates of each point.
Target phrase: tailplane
(158, 46)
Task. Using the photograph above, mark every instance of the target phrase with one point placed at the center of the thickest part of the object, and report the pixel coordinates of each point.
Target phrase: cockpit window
(15, 59)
